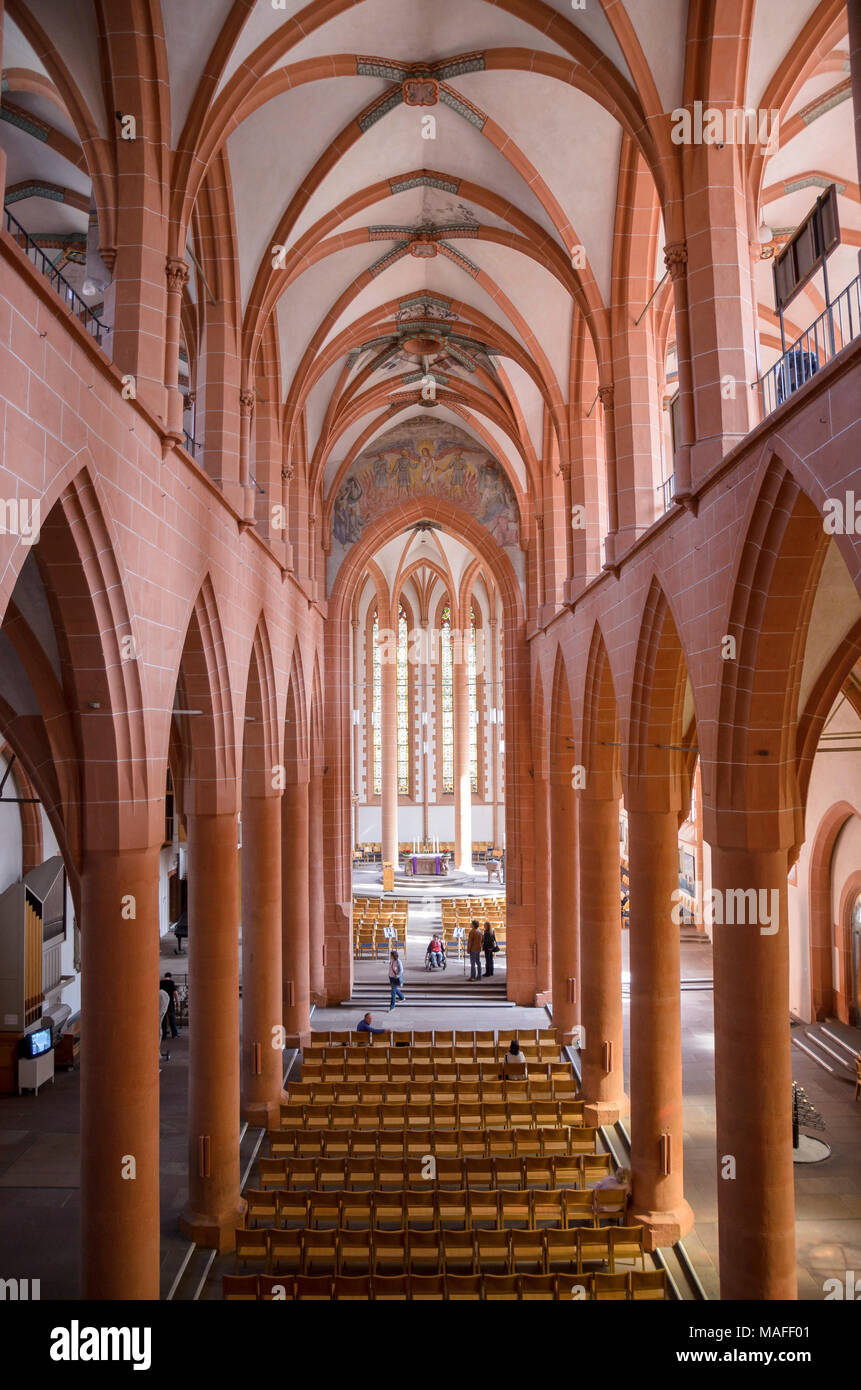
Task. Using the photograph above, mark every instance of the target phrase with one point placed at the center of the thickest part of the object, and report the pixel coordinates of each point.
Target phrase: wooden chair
(285, 1251)
(648, 1284)
(357, 1287)
(561, 1251)
(320, 1248)
(611, 1204)
(593, 1246)
(526, 1250)
(424, 1254)
(388, 1209)
(389, 1251)
(515, 1208)
(277, 1288)
(492, 1250)
(292, 1209)
(314, 1288)
(420, 1209)
(354, 1252)
(611, 1286)
(251, 1245)
(549, 1208)
(356, 1211)
(239, 1288)
(500, 1286)
(626, 1243)
(483, 1208)
(453, 1211)
(273, 1173)
(462, 1287)
(424, 1287)
(323, 1210)
(538, 1286)
(578, 1288)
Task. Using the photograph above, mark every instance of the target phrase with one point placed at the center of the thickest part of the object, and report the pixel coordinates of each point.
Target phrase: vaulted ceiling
(420, 203)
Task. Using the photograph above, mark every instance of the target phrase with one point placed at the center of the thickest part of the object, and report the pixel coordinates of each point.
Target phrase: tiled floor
(39, 1154)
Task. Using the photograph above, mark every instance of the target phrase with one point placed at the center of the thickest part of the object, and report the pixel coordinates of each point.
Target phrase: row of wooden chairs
(633, 1286)
(370, 904)
(435, 1208)
(434, 1114)
(488, 1073)
(549, 1251)
(574, 1171)
(436, 1055)
(427, 1037)
(553, 1142)
(361, 1092)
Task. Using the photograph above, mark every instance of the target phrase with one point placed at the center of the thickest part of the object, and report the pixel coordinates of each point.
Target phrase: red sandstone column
(214, 1205)
(462, 771)
(564, 915)
(177, 278)
(262, 1061)
(316, 909)
(676, 260)
(2, 151)
(246, 417)
(119, 1076)
(294, 919)
(543, 924)
(605, 394)
(753, 1081)
(854, 9)
(601, 961)
(656, 1031)
(389, 756)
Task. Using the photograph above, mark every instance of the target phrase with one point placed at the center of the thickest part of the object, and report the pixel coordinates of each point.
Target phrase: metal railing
(668, 491)
(45, 266)
(190, 442)
(835, 327)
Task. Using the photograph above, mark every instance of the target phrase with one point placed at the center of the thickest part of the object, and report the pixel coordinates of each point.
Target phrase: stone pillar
(753, 1077)
(389, 755)
(214, 1207)
(424, 727)
(262, 1059)
(656, 1032)
(119, 1076)
(461, 761)
(246, 420)
(177, 277)
(605, 395)
(543, 922)
(2, 151)
(854, 9)
(294, 915)
(495, 687)
(676, 260)
(316, 907)
(564, 913)
(601, 961)
(565, 470)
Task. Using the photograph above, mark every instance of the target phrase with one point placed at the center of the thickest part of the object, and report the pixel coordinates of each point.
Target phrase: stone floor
(39, 1147)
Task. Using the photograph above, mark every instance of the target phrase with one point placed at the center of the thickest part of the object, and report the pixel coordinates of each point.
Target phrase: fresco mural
(422, 459)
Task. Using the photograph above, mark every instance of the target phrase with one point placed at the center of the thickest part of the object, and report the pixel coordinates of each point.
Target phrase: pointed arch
(600, 727)
(261, 744)
(296, 723)
(206, 735)
(655, 767)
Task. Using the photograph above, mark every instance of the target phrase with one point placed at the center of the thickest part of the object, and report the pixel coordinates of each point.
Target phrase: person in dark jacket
(473, 946)
(488, 946)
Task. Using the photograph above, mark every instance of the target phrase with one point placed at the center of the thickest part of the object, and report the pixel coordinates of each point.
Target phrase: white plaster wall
(11, 841)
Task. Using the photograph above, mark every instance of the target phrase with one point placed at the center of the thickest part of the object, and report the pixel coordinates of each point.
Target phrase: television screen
(34, 1044)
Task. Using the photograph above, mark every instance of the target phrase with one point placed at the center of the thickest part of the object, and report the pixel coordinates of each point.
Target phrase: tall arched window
(473, 706)
(376, 708)
(447, 710)
(403, 704)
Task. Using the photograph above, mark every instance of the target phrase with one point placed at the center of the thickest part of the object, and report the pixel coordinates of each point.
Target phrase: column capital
(246, 404)
(676, 258)
(177, 272)
(605, 396)
(287, 472)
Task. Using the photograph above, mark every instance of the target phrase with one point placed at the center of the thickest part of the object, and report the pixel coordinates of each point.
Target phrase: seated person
(514, 1063)
(365, 1025)
(615, 1183)
(435, 954)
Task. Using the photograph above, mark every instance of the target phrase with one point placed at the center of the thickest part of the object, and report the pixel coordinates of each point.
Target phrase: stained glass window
(473, 706)
(376, 716)
(403, 705)
(447, 704)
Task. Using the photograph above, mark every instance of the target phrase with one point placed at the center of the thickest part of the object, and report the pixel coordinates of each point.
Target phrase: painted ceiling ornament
(421, 90)
(422, 247)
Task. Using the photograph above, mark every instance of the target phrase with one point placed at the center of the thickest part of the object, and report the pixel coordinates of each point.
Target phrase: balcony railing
(832, 331)
(59, 282)
(668, 491)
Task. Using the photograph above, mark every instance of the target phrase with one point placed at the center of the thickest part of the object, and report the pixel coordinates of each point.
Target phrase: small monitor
(34, 1044)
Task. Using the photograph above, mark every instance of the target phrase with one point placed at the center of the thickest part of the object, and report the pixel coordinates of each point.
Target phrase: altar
(425, 864)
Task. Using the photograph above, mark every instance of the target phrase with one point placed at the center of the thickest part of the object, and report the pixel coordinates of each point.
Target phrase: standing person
(488, 946)
(473, 945)
(163, 1001)
(396, 973)
(168, 984)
